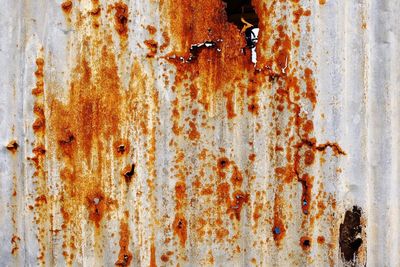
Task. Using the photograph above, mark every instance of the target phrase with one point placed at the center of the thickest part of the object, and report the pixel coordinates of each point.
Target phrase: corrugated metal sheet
(140, 133)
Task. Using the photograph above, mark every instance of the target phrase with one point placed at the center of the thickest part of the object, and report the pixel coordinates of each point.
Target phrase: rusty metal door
(199, 133)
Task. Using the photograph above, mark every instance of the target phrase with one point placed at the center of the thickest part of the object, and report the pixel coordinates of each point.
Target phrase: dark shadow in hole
(350, 235)
(236, 9)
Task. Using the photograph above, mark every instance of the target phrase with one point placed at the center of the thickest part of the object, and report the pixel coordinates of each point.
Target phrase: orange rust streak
(124, 256)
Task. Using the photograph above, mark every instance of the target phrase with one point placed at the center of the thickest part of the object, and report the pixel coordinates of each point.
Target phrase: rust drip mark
(128, 172)
(350, 235)
(121, 19)
(307, 183)
(152, 46)
(15, 244)
(38, 90)
(305, 243)
(67, 6)
(153, 262)
(125, 255)
(180, 228)
(40, 123)
(311, 94)
(12, 146)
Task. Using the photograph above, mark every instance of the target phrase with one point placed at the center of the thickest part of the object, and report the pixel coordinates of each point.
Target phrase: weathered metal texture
(127, 142)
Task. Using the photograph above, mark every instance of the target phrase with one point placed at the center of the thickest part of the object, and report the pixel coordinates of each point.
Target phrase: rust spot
(322, 2)
(121, 18)
(239, 199)
(305, 243)
(164, 258)
(180, 228)
(321, 240)
(128, 172)
(124, 256)
(223, 163)
(193, 132)
(237, 178)
(97, 205)
(252, 157)
(350, 235)
(152, 46)
(180, 191)
(311, 94)
(12, 146)
(121, 147)
(166, 41)
(14, 244)
(151, 29)
(278, 230)
(66, 6)
(309, 157)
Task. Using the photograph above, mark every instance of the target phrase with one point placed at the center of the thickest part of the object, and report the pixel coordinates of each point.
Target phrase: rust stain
(15, 244)
(180, 228)
(87, 131)
(67, 6)
(153, 255)
(121, 19)
(151, 29)
(305, 243)
(152, 46)
(12, 146)
(125, 255)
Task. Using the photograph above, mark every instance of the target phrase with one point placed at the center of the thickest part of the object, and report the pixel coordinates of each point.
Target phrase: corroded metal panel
(142, 133)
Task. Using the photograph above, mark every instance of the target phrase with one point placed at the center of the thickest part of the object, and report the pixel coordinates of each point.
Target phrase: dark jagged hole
(239, 10)
(121, 149)
(350, 234)
(128, 175)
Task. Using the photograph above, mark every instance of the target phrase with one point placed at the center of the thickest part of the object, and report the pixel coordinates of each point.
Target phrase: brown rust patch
(152, 46)
(193, 132)
(121, 18)
(12, 146)
(151, 29)
(67, 6)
